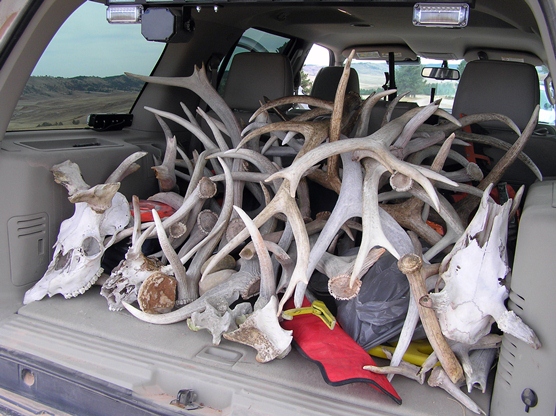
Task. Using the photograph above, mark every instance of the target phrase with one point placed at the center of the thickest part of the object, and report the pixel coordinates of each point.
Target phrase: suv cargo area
(98, 319)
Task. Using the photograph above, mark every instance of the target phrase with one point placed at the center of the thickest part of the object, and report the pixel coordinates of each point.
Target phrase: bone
(166, 173)
(439, 378)
(240, 284)
(405, 369)
(186, 293)
(472, 272)
(410, 265)
(468, 204)
(126, 278)
(481, 362)
(157, 293)
(83, 238)
(127, 167)
(217, 323)
(68, 175)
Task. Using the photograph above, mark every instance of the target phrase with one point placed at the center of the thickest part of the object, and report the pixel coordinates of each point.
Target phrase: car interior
(77, 356)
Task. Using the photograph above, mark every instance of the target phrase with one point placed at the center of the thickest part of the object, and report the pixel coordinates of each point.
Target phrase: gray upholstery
(254, 75)
(512, 89)
(377, 115)
(509, 88)
(327, 79)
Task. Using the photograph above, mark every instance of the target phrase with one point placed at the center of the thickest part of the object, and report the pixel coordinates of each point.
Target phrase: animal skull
(473, 297)
(78, 251)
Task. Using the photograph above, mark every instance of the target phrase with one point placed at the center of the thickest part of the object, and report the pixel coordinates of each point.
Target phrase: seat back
(380, 108)
(512, 89)
(509, 88)
(253, 76)
(327, 80)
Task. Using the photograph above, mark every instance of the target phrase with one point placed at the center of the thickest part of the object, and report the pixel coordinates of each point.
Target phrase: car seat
(253, 76)
(512, 89)
(327, 80)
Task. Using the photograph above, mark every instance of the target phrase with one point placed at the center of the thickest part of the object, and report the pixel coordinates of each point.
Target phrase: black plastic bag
(378, 312)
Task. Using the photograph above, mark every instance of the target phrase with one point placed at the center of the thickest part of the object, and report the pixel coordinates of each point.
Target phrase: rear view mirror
(441, 73)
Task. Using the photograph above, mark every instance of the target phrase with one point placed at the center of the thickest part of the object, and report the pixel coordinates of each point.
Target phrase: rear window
(82, 72)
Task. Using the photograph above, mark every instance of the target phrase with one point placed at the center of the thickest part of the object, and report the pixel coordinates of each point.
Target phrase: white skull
(75, 265)
(474, 295)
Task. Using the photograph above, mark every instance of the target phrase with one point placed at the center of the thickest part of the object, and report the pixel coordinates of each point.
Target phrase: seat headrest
(254, 75)
(327, 79)
(509, 88)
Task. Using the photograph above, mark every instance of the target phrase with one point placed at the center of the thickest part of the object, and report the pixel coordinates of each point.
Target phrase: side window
(547, 113)
(253, 40)
(317, 58)
(82, 72)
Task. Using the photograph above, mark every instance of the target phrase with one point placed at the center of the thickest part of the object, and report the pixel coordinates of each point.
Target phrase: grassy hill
(57, 102)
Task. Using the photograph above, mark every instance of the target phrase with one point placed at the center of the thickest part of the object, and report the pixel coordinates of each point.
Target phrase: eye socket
(90, 247)
(62, 260)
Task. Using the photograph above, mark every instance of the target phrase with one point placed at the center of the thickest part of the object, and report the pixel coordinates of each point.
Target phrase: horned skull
(473, 297)
(100, 211)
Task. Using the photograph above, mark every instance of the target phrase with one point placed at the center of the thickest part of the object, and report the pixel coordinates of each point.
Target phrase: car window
(372, 77)
(82, 72)
(253, 40)
(547, 113)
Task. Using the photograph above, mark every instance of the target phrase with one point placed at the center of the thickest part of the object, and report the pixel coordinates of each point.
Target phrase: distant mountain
(51, 86)
(370, 68)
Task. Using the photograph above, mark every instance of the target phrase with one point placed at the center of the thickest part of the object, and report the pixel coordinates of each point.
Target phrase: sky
(88, 45)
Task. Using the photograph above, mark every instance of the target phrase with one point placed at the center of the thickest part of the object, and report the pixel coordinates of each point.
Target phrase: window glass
(254, 40)
(372, 77)
(82, 72)
(547, 113)
(317, 58)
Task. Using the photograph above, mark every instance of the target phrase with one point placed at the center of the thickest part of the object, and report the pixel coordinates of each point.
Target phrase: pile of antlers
(380, 179)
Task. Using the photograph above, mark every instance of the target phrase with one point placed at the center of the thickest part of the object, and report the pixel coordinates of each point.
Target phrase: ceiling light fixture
(441, 14)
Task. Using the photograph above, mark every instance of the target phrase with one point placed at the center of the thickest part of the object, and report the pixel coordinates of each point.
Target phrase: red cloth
(339, 357)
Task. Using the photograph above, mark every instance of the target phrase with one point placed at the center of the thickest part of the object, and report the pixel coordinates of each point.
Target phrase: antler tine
(268, 282)
(413, 124)
(293, 99)
(337, 112)
(373, 220)
(348, 205)
(184, 295)
(200, 134)
(466, 205)
(223, 219)
(127, 167)
(483, 117)
(216, 132)
(200, 85)
(500, 144)
(367, 107)
(166, 172)
(390, 109)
